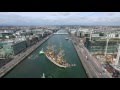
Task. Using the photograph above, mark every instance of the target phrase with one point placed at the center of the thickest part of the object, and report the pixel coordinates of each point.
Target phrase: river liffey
(35, 65)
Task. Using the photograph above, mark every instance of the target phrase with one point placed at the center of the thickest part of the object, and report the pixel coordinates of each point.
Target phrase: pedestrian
(86, 57)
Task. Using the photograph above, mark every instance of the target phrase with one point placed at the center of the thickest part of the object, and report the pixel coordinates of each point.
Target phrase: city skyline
(66, 51)
(60, 18)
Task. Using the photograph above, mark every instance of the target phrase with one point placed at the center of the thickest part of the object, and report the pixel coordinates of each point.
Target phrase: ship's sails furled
(56, 58)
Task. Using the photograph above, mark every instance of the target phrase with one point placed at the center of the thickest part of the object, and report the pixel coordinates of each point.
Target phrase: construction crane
(107, 41)
(91, 34)
(118, 56)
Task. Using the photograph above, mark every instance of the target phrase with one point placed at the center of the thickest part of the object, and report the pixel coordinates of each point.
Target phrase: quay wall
(20, 57)
(82, 61)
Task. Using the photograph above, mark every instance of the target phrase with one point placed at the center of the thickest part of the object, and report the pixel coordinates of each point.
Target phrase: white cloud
(59, 18)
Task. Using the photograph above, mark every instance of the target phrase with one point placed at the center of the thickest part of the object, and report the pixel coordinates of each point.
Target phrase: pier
(20, 57)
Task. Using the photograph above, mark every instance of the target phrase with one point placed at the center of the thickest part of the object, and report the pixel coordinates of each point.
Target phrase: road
(20, 57)
(94, 67)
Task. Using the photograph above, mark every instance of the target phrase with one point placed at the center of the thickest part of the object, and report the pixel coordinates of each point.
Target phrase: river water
(35, 64)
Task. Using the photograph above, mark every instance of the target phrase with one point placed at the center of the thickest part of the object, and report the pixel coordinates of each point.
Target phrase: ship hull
(62, 66)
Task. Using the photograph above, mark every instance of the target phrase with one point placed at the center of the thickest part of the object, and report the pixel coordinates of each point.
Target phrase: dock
(20, 57)
(81, 59)
(91, 65)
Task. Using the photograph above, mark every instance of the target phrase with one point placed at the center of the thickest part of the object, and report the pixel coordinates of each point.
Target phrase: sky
(59, 18)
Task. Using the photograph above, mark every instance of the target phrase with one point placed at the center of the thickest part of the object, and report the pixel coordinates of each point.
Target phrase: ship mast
(60, 45)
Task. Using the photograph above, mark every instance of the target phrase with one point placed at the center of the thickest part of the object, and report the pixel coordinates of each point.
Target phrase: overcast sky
(59, 18)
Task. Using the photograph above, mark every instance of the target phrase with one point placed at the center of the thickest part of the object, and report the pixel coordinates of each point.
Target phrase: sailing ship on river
(57, 58)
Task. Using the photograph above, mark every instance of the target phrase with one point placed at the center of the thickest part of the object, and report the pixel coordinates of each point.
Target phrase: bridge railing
(60, 33)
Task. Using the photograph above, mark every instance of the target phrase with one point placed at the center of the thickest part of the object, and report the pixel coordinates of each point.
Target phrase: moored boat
(67, 38)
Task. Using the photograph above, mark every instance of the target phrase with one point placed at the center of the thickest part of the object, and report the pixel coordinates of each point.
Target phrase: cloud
(41, 18)
(11, 19)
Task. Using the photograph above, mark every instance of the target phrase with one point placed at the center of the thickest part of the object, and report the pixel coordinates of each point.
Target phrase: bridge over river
(35, 64)
(59, 33)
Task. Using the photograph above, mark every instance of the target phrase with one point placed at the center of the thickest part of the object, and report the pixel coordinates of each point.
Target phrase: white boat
(67, 38)
(41, 52)
(43, 76)
(73, 65)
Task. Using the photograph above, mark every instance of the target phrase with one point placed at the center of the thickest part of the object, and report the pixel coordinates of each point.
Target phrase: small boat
(41, 52)
(43, 76)
(67, 38)
(73, 64)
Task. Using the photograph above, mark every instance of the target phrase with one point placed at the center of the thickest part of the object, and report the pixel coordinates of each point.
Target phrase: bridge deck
(60, 33)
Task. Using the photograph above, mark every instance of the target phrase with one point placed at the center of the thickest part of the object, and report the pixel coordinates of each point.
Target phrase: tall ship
(56, 58)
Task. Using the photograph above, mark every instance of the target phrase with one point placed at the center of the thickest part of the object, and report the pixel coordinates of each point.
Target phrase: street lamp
(107, 44)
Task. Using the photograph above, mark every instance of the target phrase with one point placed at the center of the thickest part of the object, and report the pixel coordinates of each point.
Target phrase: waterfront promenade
(92, 66)
(20, 57)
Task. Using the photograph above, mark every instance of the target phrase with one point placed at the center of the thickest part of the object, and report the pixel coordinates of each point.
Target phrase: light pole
(106, 45)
